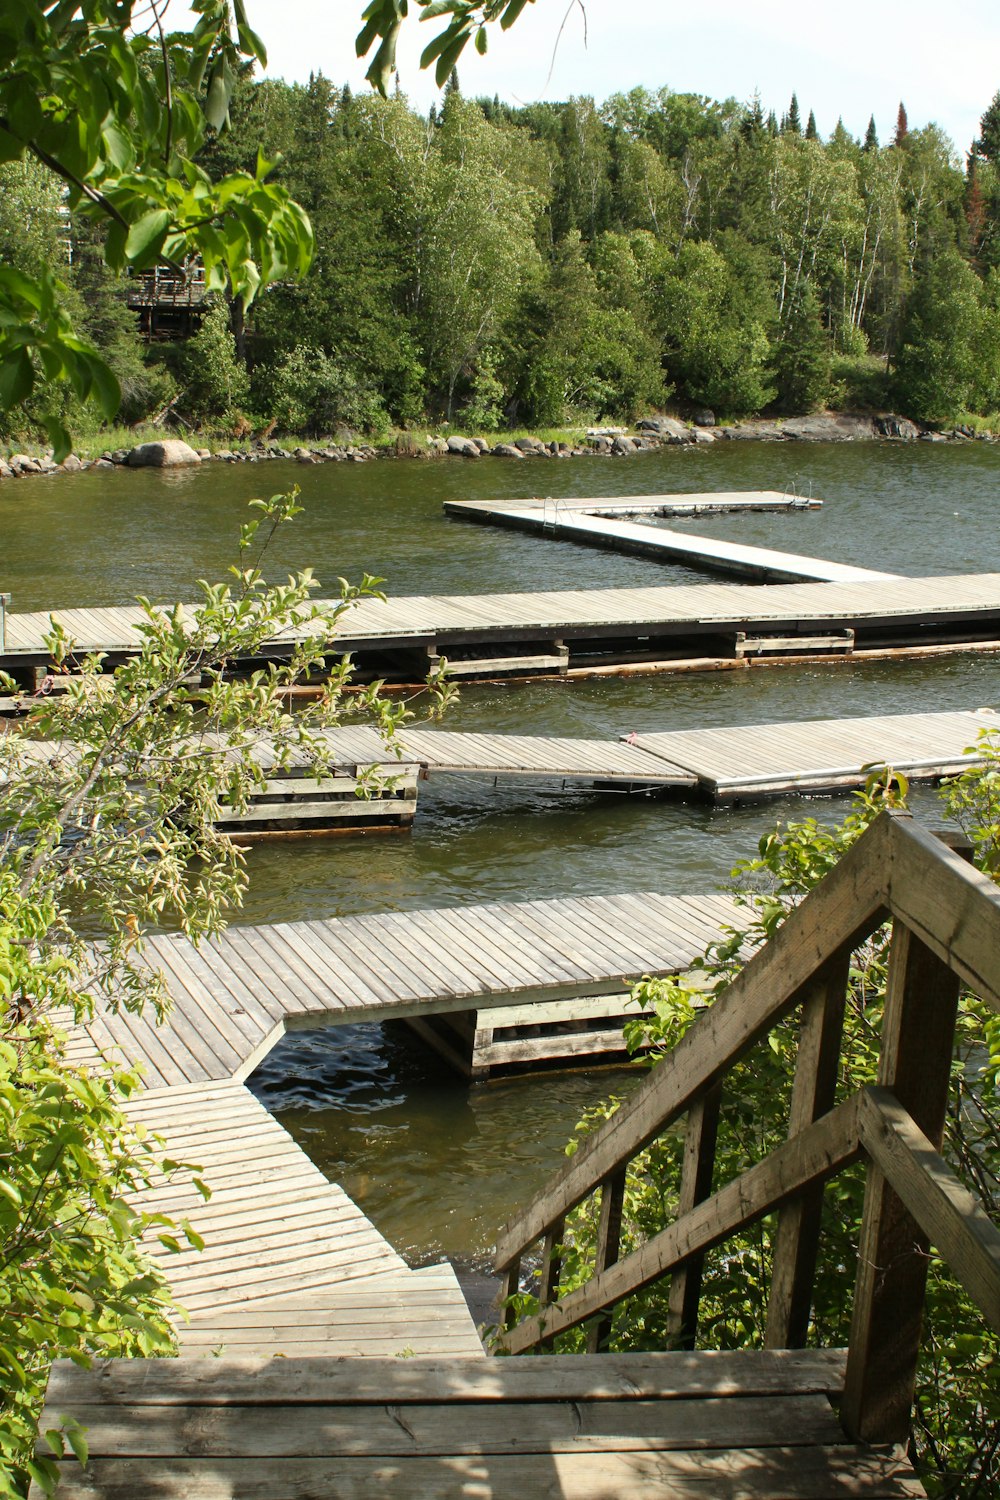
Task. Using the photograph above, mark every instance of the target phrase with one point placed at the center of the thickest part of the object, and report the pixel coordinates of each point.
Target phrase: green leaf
(146, 236)
(62, 443)
(17, 378)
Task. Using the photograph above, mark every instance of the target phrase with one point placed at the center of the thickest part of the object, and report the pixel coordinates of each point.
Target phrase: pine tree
(752, 122)
(988, 144)
(975, 205)
(793, 121)
(812, 134)
(871, 136)
(772, 124)
(902, 125)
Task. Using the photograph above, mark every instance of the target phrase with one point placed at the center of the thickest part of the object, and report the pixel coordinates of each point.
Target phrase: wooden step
(676, 1426)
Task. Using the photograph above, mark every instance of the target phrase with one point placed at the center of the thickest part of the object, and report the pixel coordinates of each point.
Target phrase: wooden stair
(684, 1426)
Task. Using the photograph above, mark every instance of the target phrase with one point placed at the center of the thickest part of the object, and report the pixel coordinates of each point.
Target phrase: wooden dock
(740, 762)
(604, 523)
(820, 755)
(235, 996)
(291, 1265)
(737, 762)
(677, 627)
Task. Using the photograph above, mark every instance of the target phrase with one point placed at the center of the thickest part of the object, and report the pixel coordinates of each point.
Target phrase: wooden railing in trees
(945, 920)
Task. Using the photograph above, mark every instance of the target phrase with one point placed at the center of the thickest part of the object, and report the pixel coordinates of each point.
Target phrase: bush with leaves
(956, 1425)
(316, 394)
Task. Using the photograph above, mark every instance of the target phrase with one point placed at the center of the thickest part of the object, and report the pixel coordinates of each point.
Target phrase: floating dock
(291, 1265)
(604, 523)
(235, 996)
(821, 755)
(740, 763)
(667, 628)
(737, 763)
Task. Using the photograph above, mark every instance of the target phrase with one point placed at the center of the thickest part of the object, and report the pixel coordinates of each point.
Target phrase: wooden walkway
(739, 761)
(290, 1265)
(587, 628)
(718, 502)
(234, 997)
(745, 1426)
(758, 760)
(595, 523)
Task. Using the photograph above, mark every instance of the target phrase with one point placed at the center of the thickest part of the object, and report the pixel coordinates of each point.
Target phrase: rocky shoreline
(609, 442)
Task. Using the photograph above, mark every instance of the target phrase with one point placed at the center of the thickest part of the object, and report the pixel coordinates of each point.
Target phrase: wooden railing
(945, 920)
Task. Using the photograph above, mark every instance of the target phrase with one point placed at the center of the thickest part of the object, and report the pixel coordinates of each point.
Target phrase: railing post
(609, 1229)
(548, 1288)
(918, 1038)
(4, 601)
(510, 1288)
(696, 1185)
(813, 1093)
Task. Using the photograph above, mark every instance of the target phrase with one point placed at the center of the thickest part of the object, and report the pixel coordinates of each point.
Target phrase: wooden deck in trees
(605, 523)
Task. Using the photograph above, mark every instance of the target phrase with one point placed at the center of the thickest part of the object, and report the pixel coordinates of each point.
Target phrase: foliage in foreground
(956, 1427)
(108, 801)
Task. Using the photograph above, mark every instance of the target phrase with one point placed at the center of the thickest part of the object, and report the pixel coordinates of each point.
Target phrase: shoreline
(649, 434)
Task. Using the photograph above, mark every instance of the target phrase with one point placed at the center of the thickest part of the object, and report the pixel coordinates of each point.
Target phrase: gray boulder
(901, 428)
(701, 436)
(22, 464)
(703, 417)
(622, 446)
(665, 427)
(463, 446)
(530, 445)
(833, 429)
(71, 464)
(172, 453)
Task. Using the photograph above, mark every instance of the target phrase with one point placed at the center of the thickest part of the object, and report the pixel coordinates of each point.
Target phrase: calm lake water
(435, 1163)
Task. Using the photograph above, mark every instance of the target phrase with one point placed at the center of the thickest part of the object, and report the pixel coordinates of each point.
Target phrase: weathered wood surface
(675, 1426)
(290, 1264)
(803, 1473)
(713, 503)
(762, 759)
(602, 524)
(234, 996)
(440, 621)
(256, 1381)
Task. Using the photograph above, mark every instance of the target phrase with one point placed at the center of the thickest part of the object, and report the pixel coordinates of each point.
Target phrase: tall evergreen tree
(752, 119)
(772, 124)
(871, 136)
(988, 144)
(812, 134)
(902, 124)
(793, 122)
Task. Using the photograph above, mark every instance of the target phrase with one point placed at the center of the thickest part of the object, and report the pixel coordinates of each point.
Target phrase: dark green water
(436, 1164)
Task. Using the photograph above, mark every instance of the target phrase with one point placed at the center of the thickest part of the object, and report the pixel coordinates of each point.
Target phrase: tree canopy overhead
(117, 108)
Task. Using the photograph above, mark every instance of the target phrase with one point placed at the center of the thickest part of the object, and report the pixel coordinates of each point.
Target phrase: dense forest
(493, 266)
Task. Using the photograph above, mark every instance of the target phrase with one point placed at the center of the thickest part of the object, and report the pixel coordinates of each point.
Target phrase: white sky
(856, 58)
